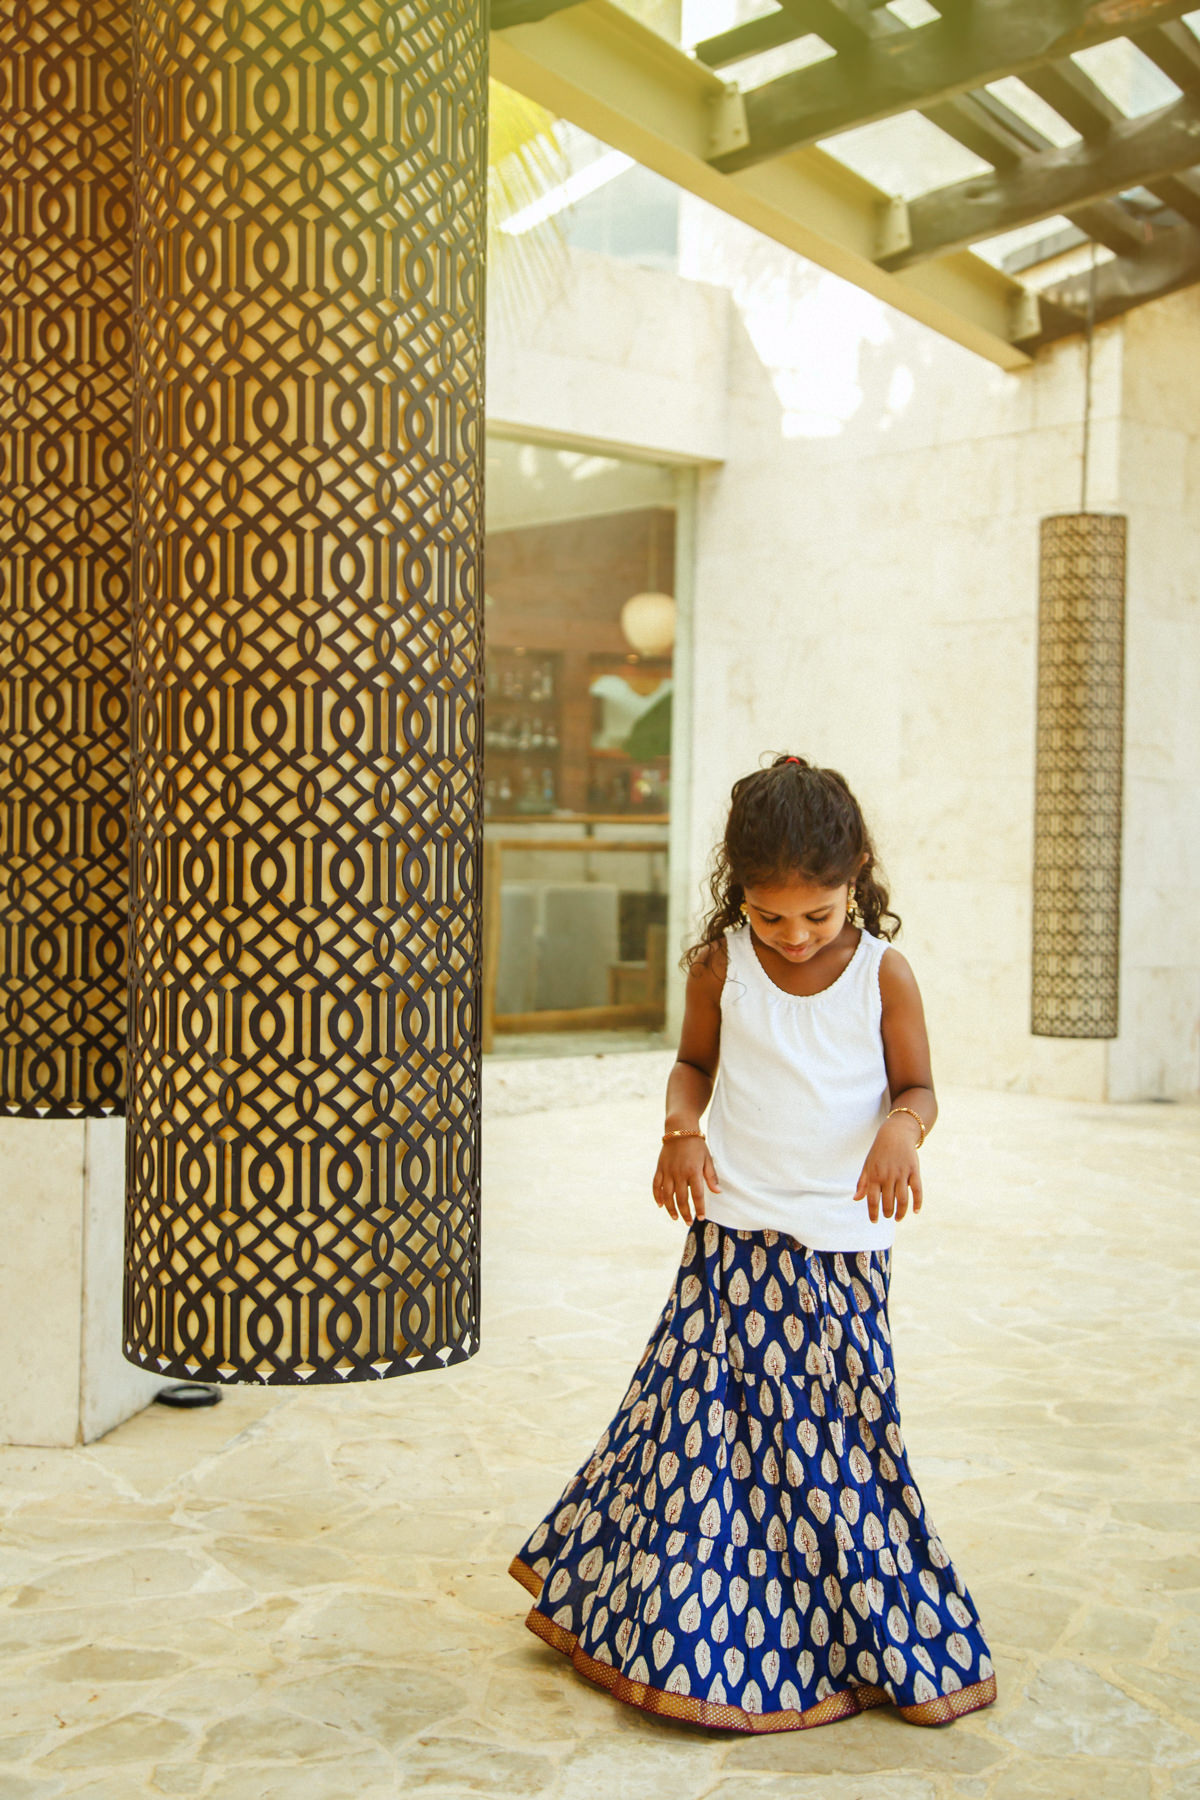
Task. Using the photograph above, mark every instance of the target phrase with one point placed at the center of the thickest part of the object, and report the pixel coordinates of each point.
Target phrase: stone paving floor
(302, 1596)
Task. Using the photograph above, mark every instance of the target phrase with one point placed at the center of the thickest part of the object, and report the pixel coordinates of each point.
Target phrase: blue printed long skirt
(746, 1547)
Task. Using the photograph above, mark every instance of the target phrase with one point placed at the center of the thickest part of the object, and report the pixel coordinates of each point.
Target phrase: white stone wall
(631, 359)
(864, 592)
(866, 596)
(1158, 1052)
(41, 1205)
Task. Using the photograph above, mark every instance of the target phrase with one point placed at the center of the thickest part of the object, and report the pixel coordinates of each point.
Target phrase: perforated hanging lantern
(306, 818)
(1080, 756)
(64, 557)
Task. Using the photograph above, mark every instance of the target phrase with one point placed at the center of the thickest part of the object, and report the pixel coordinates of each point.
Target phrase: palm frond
(526, 163)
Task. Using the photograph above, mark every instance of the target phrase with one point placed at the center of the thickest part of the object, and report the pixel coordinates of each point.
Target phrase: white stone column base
(62, 1206)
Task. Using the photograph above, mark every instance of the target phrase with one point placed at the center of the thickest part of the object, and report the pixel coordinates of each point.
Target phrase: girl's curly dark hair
(790, 820)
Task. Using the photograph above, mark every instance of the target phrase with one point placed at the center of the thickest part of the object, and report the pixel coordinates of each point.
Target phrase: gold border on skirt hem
(848, 1701)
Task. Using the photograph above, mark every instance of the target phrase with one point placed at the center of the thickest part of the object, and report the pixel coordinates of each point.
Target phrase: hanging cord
(1087, 381)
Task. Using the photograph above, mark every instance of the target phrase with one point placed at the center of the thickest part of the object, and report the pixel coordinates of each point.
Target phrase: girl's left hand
(891, 1172)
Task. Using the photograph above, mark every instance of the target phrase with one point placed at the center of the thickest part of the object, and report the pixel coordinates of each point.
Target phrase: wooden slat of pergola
(1129, 154)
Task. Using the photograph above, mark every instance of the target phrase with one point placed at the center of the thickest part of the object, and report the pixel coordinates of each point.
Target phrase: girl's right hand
(684, 1166)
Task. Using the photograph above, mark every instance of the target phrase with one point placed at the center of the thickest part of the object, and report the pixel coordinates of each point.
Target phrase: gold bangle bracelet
(913, 1114)
(668, 1135)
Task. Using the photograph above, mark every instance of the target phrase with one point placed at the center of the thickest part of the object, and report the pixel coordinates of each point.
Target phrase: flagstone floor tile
(302, 1595)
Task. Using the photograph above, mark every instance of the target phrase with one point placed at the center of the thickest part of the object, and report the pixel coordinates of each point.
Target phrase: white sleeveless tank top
(801, 1090)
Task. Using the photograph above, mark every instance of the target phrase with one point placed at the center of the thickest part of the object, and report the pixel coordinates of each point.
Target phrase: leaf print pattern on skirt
(746, 1547)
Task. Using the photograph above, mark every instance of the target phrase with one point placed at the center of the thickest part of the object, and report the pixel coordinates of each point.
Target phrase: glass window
(580, 627)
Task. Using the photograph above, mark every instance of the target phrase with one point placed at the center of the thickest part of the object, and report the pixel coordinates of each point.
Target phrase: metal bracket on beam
(1025, 316)
(893, 233)
(727, 126)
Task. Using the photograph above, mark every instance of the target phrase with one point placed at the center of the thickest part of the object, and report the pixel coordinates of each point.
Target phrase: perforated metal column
(1080, 754)
(64, 555)
(306, 821)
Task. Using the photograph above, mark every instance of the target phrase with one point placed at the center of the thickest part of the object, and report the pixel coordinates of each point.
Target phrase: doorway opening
(580, 627)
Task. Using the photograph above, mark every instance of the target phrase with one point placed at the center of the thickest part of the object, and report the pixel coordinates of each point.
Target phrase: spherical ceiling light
(648, 623)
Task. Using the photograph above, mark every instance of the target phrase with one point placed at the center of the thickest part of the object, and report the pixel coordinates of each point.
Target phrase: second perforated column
(303, 1078)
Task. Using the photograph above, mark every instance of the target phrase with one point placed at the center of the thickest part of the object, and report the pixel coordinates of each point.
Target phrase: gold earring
(854, 911)
(742, 909)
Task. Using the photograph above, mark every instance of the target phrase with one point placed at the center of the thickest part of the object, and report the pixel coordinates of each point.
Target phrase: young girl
(746, 1547)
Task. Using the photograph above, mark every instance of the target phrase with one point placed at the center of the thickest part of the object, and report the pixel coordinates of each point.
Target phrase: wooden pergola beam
(1003, 138)
(503, 13)
(1174, 50)
(845, 25)
(1058, 181)
(979, 123)
(1074, 97)
(741, 41)
(997, 133)
(594, 64)
(902, 72)
(1170, 262)
(1109, 223)
(1181, 193)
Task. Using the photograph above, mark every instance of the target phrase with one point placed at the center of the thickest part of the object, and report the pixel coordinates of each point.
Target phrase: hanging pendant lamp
(647, 618)
(1080, 759)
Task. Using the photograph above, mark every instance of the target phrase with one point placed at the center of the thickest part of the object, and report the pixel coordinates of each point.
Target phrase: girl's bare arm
(892, 1170)
(684, 1165)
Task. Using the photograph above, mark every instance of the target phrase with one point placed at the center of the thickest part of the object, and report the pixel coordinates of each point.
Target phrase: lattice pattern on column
(1080, 742)
(64, 555)
(306, 818)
